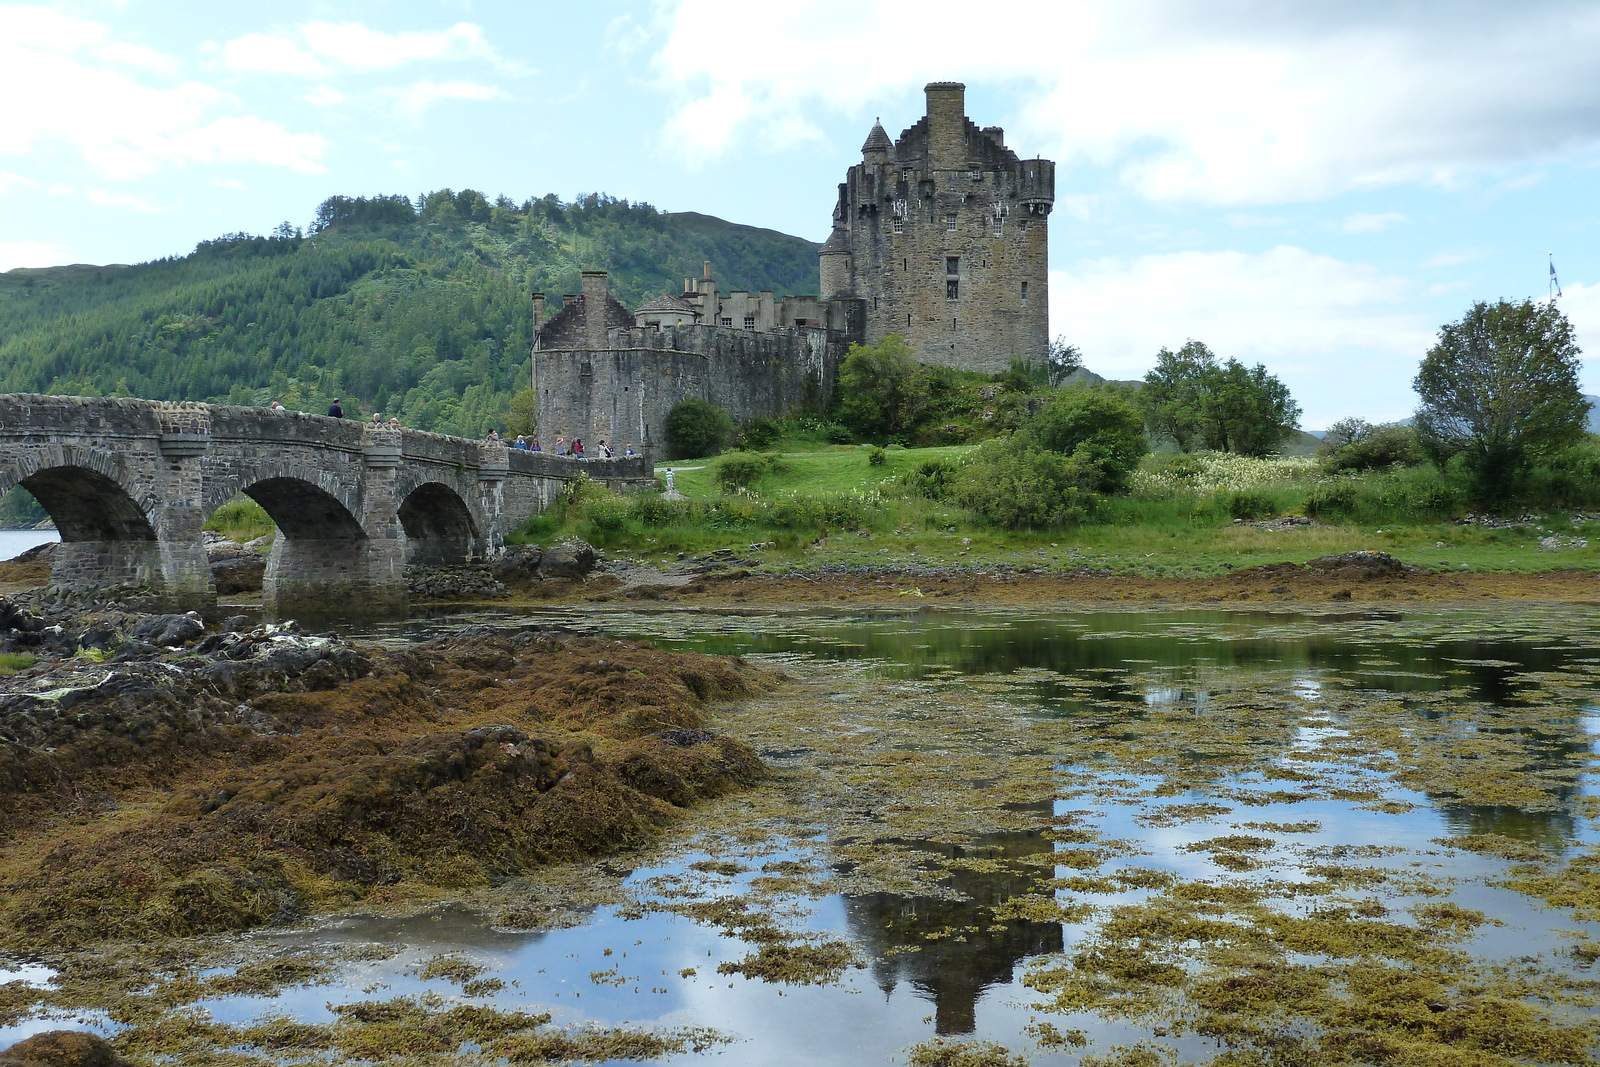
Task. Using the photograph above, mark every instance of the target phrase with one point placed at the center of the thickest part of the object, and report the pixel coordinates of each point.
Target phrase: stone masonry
(942, 234)
(130, 483)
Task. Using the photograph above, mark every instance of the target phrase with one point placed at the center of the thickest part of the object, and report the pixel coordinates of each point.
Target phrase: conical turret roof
(878, 139)
(666, 302)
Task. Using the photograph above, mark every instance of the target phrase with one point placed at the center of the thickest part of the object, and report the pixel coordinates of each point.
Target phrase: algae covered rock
(62, 1048)
(572, 560)
(1359, 565)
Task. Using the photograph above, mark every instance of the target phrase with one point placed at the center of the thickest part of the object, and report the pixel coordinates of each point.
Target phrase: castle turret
(941, 236)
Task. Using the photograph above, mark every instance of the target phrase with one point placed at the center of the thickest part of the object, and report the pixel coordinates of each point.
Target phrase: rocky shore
(159, 777)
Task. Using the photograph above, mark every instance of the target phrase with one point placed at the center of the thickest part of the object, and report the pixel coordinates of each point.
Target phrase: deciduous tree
(1500, 389)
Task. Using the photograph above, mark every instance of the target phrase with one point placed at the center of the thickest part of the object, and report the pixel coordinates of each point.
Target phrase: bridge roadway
(130, 483)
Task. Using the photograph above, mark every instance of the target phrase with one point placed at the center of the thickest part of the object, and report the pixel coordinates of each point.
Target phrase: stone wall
(130, 484)
(943, 236)
(622, 393)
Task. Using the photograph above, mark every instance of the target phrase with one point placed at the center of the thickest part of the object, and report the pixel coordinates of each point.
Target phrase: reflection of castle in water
(954, 973)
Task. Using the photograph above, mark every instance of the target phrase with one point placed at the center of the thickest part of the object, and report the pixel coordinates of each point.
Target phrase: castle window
(999, 225)
(1022, 224)
(899, 224)
(899, 208)
(976, 174)
(749, 322)
(727, 322)
(1024, 294)
(950, 223)
(952, 288)
(952, 264)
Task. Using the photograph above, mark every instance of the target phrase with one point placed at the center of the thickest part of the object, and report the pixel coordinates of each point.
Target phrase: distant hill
(419, 309)
(1593, 422)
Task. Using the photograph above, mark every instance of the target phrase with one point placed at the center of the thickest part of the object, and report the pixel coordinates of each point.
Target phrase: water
(967, 803)
(15, 542)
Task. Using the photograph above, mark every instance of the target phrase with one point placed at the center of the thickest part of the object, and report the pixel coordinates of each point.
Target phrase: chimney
(947, 125)
(706, 272)
(595, 284)
(538, 311)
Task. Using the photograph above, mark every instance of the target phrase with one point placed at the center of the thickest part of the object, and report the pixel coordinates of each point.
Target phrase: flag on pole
(1555, 283)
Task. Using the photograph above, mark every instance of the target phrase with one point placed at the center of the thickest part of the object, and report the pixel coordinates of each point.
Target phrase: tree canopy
(1199, 402)
(1500, 389)
(415, 307)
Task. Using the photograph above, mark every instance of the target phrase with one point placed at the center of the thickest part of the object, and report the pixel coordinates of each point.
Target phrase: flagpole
(1554, 289)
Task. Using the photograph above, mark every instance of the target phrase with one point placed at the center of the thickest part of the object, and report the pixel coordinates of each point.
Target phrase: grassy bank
(1182, 516)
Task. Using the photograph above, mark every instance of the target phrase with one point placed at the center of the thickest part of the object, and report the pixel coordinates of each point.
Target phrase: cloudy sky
(1312, 185)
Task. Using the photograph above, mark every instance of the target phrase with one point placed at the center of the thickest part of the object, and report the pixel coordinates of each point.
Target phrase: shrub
(949, 433)
(758, 435)
(1015, 485)
(741, 470)
(1331, 498)
(1099, 427)
(1375, 448)
(877, 457)
(930, 479)
(697, 428)
(1251, 504)
(609, 514)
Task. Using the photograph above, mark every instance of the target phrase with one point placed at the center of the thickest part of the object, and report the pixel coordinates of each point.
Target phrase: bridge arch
(108, 535)
(439, 526)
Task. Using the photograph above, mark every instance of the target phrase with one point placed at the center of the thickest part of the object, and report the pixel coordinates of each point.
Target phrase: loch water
(1335, 741)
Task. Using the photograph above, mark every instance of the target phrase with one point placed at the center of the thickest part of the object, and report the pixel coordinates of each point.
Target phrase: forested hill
(415, 308)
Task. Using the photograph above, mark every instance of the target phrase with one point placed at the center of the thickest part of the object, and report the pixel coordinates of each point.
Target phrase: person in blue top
(334, 410)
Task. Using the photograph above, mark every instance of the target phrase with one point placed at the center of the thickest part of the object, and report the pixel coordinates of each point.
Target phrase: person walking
(334, 410)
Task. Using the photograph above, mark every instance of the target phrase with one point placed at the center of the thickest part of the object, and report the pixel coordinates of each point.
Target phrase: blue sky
(1313, 186)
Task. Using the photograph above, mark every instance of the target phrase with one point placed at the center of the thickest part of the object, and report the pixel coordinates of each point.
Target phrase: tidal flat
(1077, 838)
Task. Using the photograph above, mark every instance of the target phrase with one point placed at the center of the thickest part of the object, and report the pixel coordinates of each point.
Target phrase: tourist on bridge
(521, 442)
(605, 451)
(577, 447)
(561, 446)
(629, 451)
(377, 418)
(334, 410)
(533, 446)
(493, 435)
(278, 407)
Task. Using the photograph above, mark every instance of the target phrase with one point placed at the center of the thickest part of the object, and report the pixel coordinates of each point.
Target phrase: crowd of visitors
(575, 449)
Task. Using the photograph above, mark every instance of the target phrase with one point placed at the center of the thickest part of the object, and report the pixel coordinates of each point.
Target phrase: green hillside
(418, 309)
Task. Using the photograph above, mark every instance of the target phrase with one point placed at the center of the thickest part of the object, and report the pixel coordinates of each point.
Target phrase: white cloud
(1338, 333)
(15, 254)
(323, 96)
(1230, 102)
(413, 100)
(358, 48)
(107, 198)
(10, 181)
(1581, 305)
(1453, 259)
(228, 183)
(265, 53)
(138, 56)
(1365, 222)
(119, 123)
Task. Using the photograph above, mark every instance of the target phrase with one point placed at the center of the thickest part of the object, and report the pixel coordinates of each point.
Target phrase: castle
(940, 236)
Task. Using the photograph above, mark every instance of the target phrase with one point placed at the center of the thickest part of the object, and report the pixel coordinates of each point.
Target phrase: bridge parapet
(130, 484)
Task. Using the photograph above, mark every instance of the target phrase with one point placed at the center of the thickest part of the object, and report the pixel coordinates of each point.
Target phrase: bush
(930, 479)
(697, 428)
(1099, 427)
(1251, 504)
(1376, 448)
(609, 514)
(1015, 485)
(741, 470)
(758, 435)
(1331, 498)
(877, 457)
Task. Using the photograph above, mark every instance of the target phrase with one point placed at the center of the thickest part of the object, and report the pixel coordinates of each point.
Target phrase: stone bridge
(130, 483)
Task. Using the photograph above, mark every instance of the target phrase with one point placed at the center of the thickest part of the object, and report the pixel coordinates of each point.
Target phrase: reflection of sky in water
(1147, 660)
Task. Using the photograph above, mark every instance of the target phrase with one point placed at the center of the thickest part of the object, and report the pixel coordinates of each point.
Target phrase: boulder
(169, 631)
(572, 560)
(13, 617)
(45, 553)
(518, 563)
(62, 1048)
(239, 573)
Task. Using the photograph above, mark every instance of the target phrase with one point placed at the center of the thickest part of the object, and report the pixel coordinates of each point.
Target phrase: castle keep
(939, 236)
(942, 236)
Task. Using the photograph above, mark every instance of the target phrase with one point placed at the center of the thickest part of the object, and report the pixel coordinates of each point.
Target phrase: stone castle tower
(941, 237)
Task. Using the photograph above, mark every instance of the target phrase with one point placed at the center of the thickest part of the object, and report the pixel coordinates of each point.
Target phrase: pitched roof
(878, 138)
(666, 302)
(836, 242)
